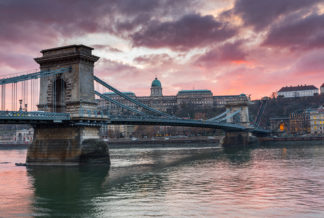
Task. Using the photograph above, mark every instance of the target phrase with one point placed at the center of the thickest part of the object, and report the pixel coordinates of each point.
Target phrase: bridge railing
(33, 115)
(87, 113)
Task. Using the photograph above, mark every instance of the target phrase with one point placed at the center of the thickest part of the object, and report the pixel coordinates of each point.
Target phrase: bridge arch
(59, 95)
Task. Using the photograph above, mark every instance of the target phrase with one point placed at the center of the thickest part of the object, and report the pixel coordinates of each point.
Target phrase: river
(170, 182)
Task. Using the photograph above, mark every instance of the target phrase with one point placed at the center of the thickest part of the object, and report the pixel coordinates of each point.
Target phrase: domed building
(200, 98)
(156, 88)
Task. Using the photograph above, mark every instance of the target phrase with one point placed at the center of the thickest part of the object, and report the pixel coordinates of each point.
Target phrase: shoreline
(15, 146)
(144, 143)
(187, 142)
(291, 141)
(303, 138)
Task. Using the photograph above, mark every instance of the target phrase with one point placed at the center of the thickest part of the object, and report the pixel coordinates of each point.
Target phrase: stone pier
(238, 140)
(67, 146)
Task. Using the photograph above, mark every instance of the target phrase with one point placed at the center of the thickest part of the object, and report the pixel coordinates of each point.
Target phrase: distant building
(317, 121)
(24, 135)
(279, 124)
(299, 122)
(156, 88)
(297, 91)
(119, 131)
(222, 100)
(201, 98)
(322, 89)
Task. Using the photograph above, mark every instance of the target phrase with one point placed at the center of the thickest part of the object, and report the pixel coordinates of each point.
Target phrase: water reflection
(177, 182)
(66, 190)
(237, 157)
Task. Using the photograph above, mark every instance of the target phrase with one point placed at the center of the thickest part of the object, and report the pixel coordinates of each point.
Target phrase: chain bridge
(59, 101)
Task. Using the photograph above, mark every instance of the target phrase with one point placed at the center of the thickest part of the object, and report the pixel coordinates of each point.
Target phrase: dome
(156, 83)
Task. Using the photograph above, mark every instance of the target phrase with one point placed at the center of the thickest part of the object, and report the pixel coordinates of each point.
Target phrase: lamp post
(20, 105)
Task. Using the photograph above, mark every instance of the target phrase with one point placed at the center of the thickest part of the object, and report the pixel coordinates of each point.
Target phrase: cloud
(229, 52)
(114, 67)
(261, 13)
(105, 48)
(310, 64)
(154, 60)
(302, 33)
(192, 30)
(73, 17)
(217, 52)
(43, 15)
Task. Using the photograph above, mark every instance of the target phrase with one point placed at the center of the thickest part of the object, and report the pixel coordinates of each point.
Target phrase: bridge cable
(16, 96)
(31, 95)
(35, 75)
(54, 95)
(260, 113)
(4, 96)
(129, 98)
(230, 115)
(219, 116)
(119, 104)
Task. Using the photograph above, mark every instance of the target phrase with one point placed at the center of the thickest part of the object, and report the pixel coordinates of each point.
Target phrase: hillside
(282, 107)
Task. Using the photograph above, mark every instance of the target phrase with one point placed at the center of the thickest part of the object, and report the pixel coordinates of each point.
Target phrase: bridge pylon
(71, 92)
(243, 115)
(238, 139)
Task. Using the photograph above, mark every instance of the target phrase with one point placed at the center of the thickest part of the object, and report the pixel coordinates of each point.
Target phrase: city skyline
(228, 47)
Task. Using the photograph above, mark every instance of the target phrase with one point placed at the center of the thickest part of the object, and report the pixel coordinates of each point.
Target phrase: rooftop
(66, 47)
(156, 83)
(113, 93)
(195, 91)
(228, 96)
(297, 88)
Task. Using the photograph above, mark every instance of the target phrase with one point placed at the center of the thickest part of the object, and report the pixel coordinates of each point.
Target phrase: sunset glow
(230, 47)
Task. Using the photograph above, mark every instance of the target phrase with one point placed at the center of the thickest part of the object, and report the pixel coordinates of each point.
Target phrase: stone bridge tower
(63, 143)
(71, 90)
(238, 139)
(241, 106)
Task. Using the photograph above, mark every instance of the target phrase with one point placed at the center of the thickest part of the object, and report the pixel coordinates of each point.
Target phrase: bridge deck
(98, 119)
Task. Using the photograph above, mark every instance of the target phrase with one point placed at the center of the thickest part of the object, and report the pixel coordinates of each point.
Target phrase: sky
(227, 46)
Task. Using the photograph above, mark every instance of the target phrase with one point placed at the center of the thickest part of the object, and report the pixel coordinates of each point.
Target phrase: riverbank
(146, 143)
(299, 140)
(190, 141)
(13, 146)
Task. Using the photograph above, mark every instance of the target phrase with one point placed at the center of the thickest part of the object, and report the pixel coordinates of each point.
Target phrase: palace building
(201, 98)
(297, 91)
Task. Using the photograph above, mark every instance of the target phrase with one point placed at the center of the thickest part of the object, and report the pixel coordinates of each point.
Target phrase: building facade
(299, 122)
(201, 98)
(317, 121)
(24, 135)
(279, 124)
(322, 89)
(297, 91)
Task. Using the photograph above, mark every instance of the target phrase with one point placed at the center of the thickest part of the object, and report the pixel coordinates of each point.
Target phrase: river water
(170, 182)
